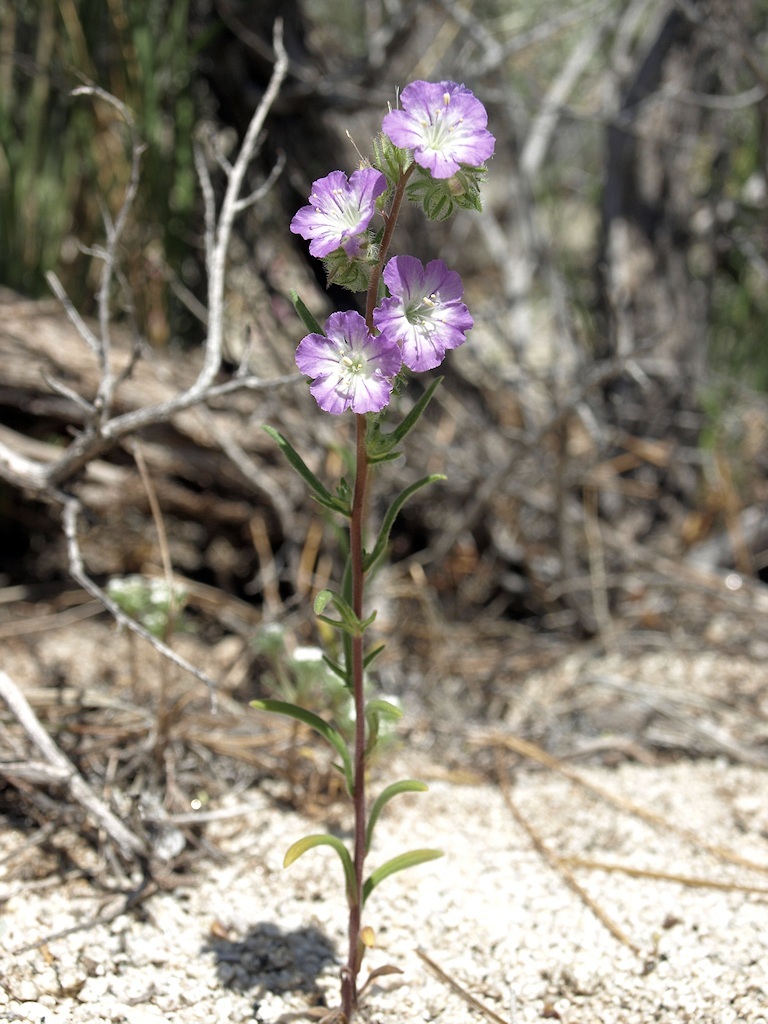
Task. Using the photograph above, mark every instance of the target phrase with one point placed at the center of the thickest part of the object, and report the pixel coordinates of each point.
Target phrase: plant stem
(349, 981)
(390, 220)
(356, 539)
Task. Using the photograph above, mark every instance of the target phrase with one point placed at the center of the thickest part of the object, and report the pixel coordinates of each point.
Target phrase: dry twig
(56, 769)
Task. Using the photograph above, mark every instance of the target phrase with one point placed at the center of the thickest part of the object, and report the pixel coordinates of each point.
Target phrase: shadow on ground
(269, 959)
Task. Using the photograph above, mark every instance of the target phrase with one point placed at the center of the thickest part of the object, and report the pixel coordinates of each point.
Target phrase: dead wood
(57, 770)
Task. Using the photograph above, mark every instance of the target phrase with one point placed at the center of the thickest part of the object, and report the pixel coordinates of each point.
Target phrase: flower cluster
(440, 131)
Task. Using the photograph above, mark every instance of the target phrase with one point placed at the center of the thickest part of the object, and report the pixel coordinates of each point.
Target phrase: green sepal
(328, 732)
(440, 197)
(349, 622)
(310, 842)
(389, 159)
(400, 863)
(304, 315)
(380, 547)
(406, 786)
(352, 274)
(321, 494)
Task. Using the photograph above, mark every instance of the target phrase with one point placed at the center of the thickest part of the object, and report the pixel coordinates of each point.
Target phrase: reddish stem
(349, 980)
(356, 539)
(390, 219)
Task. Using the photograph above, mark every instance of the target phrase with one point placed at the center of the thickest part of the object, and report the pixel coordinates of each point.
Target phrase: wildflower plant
(431, 151)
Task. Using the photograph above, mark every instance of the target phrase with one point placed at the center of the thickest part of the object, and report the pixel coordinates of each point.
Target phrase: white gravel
(247, 941)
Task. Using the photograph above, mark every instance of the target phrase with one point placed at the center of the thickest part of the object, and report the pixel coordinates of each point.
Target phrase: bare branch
(106, 432)
(209, 205)
(61, 771)
(70, 516)
(22, 472)
(66, 392)
(77, 321)
(114, 230)
(545, 122)
(229, 209)
(261, 191)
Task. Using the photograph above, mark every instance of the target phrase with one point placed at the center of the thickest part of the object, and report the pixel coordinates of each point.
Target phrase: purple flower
(445, 126)
(352, 369)
(424, 313)
(339, 211)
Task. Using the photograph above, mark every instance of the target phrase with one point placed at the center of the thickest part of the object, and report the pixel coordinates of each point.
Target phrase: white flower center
(439, 128)
(420, 313)
(353, 365)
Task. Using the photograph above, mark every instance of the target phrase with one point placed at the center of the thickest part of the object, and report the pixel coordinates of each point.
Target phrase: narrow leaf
(416, 413)
(306, 317)
(405, 786)
(336, 668)
(381, 447)
(385, 708)
(389, 519)
(320, 726)
(375, 710)
(309, 842)
(373, 653)
(405, 860)
(349, 622)
(322, 494)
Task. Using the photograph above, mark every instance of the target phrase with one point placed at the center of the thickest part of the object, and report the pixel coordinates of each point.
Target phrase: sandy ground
(575, 892)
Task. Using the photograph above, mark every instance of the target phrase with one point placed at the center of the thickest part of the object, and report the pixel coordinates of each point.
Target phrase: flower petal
(339, 211)
(353, 369)
(444, 124)
(424, 313)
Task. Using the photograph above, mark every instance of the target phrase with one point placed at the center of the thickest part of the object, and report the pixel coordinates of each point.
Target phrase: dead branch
(101, 432)
(58, 770)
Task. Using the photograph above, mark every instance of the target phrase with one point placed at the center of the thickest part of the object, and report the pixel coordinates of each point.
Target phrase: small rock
(26, 991)
(38, 1013)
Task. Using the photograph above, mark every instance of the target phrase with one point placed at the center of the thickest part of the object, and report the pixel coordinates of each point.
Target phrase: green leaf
(389, 519)
(306, 317)
(337, 669)
(321, 493)
(373, 653)
(351, 629)
(375, 710)
(349, 622)
(309, 842)
(384, 708)
(405, 786)
(413, 417)
(331, 735)
(385, 457)
(405, 860)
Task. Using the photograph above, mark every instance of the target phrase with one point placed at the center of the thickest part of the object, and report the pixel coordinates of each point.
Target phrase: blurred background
(603, 431)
